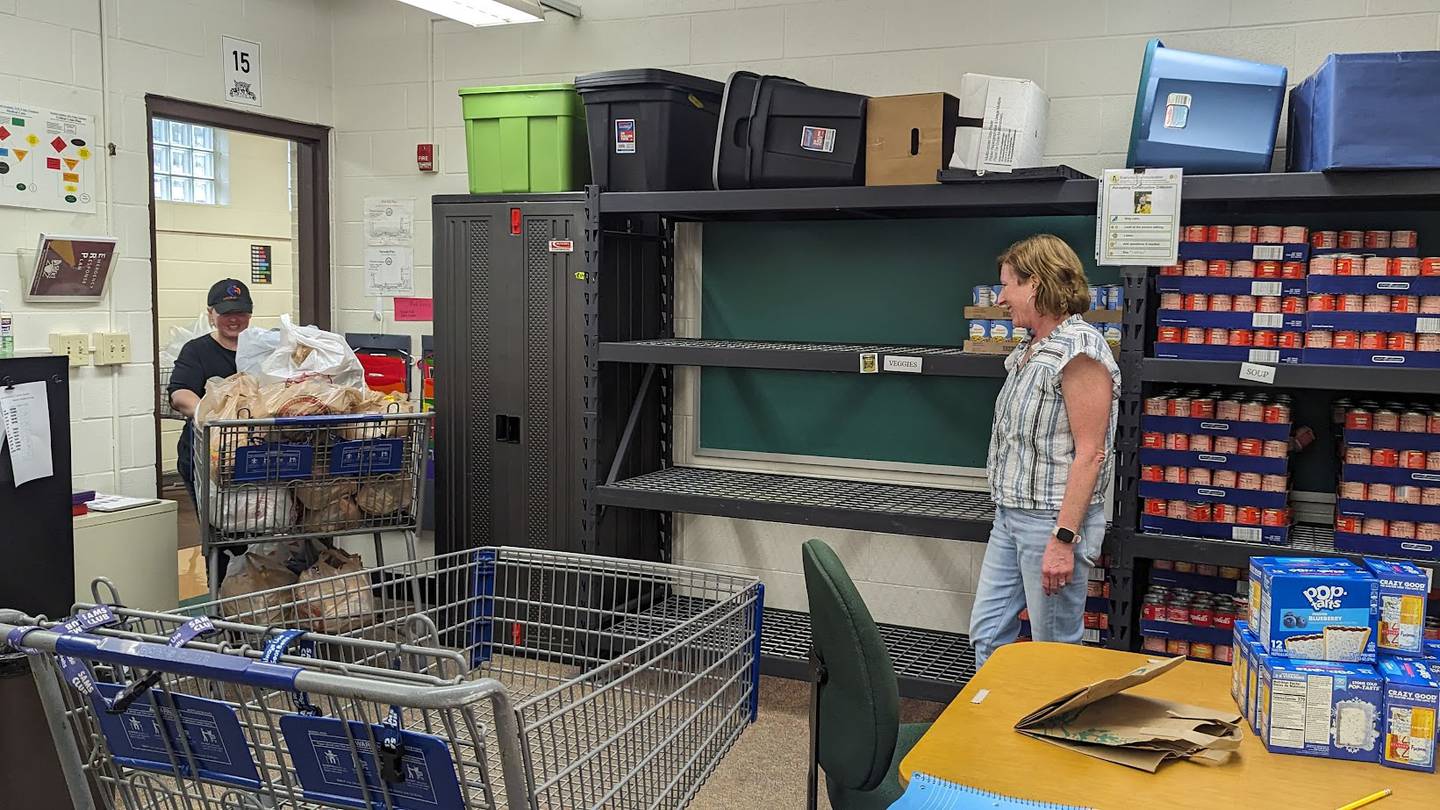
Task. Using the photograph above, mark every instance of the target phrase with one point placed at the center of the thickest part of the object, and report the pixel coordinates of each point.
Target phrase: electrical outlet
(74, 346)
(111, 348)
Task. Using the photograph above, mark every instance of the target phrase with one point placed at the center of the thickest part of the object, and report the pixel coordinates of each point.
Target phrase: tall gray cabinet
(521, 301)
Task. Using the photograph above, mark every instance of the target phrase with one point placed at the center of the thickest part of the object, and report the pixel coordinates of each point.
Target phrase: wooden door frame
(312, 204)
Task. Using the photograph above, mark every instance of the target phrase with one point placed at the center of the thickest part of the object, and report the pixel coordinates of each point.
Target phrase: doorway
(233, 195)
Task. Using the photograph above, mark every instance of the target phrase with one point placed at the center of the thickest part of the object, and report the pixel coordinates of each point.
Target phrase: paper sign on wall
(242, 70)
(389, 221)
(47, 159)
(389, 271)
(25, 415)
(1138, 220)
(414, 309)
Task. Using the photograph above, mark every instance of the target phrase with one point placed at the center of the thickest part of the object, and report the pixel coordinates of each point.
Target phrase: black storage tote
(781, 133)
(650, 130)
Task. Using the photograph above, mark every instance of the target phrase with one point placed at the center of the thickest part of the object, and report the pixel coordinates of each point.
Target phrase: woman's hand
(1057, 566)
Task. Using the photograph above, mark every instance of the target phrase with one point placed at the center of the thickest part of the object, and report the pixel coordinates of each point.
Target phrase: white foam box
(1003, 123)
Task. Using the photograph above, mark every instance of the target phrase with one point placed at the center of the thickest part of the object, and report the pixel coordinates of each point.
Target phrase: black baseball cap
(228, 296)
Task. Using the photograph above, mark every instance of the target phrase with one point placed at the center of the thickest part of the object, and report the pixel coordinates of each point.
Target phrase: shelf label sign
(903, 364)
(1254, 372)
(869, 363)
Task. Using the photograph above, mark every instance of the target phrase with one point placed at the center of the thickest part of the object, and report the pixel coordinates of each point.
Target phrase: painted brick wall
(1085, 53)
(51, 55)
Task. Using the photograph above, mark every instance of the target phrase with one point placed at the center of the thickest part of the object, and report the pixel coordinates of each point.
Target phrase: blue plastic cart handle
(179, 660)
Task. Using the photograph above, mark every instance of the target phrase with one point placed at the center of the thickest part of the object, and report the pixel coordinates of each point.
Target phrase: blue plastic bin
(1205, 114)
(1367, 111)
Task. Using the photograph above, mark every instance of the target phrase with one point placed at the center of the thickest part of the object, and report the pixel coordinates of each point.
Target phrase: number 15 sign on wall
(242, 70)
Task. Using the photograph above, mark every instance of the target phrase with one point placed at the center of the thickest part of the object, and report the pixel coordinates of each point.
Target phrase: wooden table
(976, 745)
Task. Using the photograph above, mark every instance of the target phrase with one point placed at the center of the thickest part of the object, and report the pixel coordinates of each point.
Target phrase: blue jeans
(1010, 580)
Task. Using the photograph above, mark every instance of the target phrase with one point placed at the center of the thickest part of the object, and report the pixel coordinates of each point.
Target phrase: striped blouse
(1031, 448)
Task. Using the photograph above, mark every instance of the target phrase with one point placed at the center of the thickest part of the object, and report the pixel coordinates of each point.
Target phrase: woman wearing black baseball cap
(210, 355)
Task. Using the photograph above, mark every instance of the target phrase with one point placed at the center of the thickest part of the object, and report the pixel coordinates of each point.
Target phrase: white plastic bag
(263, 510)
(298, 353)
(179, 336)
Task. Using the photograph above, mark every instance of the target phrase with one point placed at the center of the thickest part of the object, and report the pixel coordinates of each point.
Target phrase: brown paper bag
(257, 571)
(1098, 720)
(234, 397)
(338, 515)
(334, 594)
(384, 497)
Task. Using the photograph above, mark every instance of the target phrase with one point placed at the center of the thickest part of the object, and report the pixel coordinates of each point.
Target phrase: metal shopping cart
(162, 401)
(297, 478)
(478, 679)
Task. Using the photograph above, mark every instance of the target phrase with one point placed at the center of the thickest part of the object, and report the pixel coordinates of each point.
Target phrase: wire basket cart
(162, 401)
(309, 477)
(485, 678)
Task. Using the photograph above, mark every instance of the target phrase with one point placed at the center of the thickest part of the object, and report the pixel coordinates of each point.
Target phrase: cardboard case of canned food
(1190, 609)
(1330, 663)
(1216, 464)
(1388, 500)
(1285, 294)
(992, 332)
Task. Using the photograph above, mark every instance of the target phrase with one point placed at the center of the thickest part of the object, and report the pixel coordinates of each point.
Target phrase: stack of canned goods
(1363, 240)
(1247, 234)
(1237, 268)
(1391, 417)
(1358, 264)
(1196, 607)
(1226, 407)
(1002, 330)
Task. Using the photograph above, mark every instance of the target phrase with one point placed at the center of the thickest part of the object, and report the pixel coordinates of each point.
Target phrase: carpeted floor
(767, 766)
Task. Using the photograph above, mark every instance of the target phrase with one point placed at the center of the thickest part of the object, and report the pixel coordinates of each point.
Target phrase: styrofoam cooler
(1205, 114)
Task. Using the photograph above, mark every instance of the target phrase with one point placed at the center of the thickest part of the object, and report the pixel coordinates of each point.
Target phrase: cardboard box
(1098, 720)
(1411, 700)
(1316, 609)
(1002, 124)
(1403, 589)
(909, 139)
(1321, 709)
(1240, 668)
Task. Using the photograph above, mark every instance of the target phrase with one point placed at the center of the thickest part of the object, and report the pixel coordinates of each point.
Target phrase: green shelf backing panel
(890, 282)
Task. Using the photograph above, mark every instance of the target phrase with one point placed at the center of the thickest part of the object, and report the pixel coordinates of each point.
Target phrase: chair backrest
(859, 701)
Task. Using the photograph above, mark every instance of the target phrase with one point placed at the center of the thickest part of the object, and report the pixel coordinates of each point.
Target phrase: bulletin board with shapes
(47, 159)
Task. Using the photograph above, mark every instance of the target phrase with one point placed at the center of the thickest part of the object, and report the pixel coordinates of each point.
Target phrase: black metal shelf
(887, 508)
(769, 354)
(1305, 539)
(1301, 191)
(929, 664)
(1332, 378)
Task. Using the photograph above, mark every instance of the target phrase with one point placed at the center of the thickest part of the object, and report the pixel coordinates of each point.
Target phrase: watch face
(1065, 535)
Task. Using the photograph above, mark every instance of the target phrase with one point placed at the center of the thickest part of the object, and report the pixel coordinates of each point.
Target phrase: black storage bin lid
(612, 79)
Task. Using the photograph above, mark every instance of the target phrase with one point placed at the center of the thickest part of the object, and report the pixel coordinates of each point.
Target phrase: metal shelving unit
(889, 508)
(1293, 194)
(1325, 378)
(1305, 539)
(788, 356)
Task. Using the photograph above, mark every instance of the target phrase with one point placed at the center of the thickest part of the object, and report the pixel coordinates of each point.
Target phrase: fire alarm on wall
(425, 156)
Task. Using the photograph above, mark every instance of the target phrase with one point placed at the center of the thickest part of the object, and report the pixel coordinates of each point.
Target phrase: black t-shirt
(199, 360)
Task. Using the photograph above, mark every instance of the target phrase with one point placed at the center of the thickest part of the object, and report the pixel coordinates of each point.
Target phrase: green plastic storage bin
(528, 137)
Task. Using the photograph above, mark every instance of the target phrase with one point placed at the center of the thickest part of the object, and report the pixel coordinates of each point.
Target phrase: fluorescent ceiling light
(484, 12)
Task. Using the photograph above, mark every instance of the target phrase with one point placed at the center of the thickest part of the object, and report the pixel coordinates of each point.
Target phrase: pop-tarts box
(1432, 650)
(1321, 709)
(1256, 662)
(1403, 589)
(1317, 609)
(1239, 667)
(1411, 701)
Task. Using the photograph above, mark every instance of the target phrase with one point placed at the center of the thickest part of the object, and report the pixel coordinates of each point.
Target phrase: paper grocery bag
(1099, 720)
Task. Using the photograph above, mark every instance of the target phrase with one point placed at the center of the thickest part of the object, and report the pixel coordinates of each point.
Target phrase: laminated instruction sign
(47, 159)
(1138, 221)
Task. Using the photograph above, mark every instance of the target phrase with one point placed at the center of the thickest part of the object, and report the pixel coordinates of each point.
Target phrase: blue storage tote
(1205, 114)
(1367, 111)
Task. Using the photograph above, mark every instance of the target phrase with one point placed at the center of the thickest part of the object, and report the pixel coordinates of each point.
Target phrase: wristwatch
(1065, 536)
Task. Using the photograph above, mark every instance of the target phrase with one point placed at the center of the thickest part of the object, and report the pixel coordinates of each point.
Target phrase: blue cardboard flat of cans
(1318, 609)
(1367, 111)
(1321, 709)
(1411, 701)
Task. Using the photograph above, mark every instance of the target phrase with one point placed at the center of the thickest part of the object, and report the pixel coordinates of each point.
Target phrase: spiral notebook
(927, 792)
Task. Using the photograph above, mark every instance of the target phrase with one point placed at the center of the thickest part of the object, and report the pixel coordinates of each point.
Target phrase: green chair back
(859, 701)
